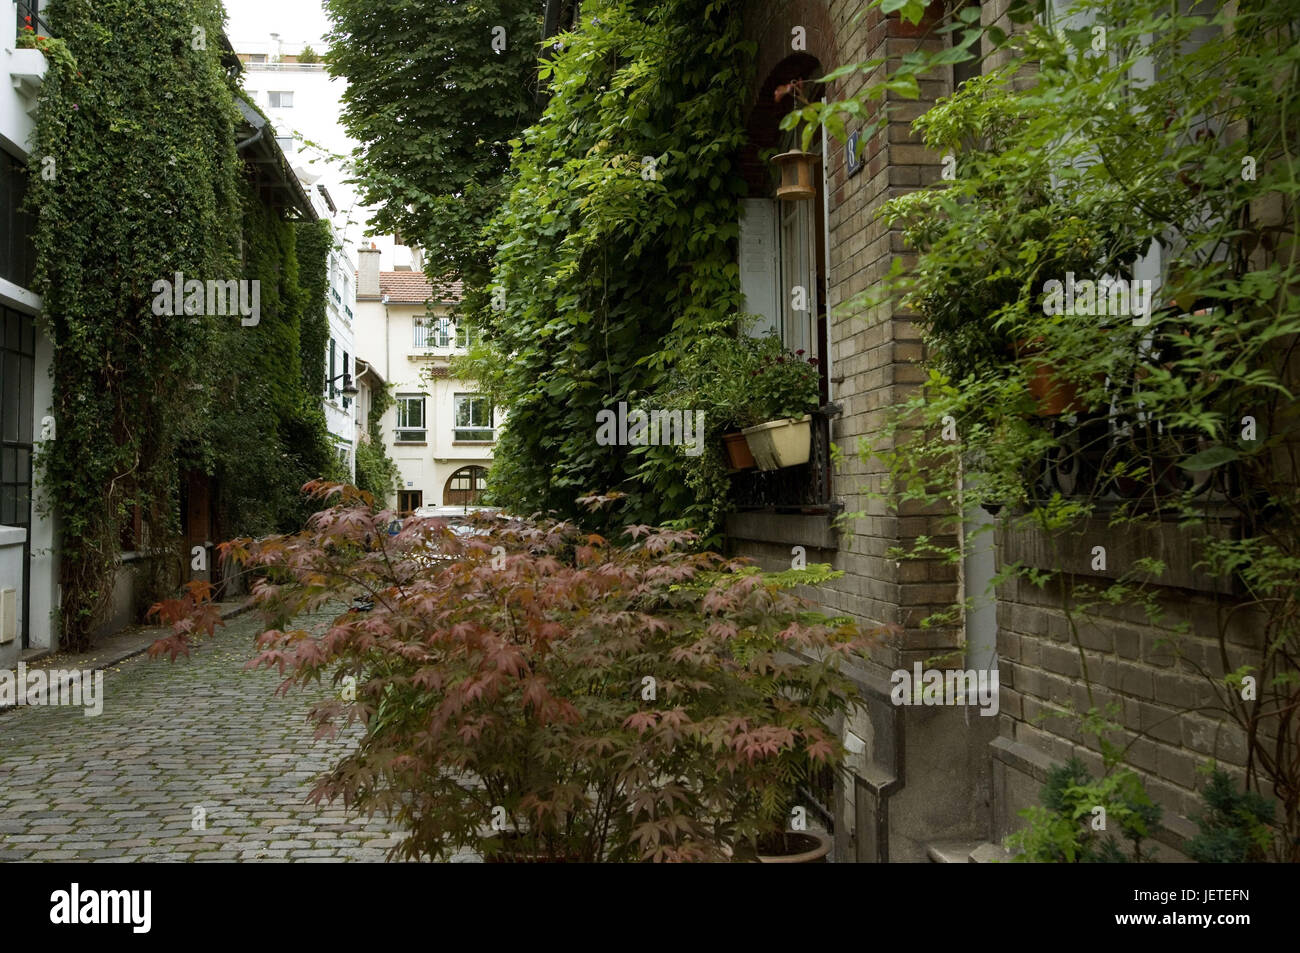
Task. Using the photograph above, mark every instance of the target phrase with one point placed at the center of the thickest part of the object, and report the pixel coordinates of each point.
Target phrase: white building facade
(340, 358)
(440, 430)
(29, 592)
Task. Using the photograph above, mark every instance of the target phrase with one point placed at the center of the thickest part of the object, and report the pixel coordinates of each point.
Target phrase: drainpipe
(240, 146)
(826, 254)
(388, 377)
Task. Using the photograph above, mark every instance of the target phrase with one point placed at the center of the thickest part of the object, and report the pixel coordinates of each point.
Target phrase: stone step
(952, 852)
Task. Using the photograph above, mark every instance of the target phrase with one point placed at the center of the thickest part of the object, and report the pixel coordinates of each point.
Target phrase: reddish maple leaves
(597, 699)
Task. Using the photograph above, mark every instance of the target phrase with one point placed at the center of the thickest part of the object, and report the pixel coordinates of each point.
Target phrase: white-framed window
(281, 98)
(442, 332)
(473, 420)
(465, 337)
(411, 427)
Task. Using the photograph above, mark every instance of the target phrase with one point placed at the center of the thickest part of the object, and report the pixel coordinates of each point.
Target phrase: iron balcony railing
(432, 335)
(29, 15)
(800, 489)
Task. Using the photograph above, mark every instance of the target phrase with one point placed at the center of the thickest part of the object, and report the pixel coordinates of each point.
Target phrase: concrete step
(952, 852)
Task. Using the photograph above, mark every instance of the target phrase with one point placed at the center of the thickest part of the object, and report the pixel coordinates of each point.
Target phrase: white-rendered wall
(342, 421)
(425, 467)
(23, 69)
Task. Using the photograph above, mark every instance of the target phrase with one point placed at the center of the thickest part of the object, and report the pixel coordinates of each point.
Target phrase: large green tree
(435, 93)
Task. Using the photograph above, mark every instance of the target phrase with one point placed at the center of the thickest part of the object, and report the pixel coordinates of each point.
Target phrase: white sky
(297, 21)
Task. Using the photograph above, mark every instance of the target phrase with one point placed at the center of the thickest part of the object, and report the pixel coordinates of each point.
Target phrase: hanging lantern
(796, 175)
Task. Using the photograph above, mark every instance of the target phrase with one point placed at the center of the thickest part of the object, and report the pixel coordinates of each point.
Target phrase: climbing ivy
(140, 134)
(146, 184)
(615, 250)
(377, 474)
(269, 435)
(314, 241)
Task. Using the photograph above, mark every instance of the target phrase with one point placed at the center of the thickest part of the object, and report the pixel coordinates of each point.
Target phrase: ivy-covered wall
(314, 241)
(616, 251)
(268, 433)
(135, 178)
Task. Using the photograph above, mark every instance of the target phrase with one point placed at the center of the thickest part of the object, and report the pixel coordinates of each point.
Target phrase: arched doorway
(465, 487)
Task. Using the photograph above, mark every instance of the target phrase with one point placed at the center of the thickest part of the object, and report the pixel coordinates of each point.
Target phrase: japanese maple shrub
(529, 690)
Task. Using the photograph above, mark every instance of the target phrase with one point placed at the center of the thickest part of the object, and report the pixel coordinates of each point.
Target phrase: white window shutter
(758, 265)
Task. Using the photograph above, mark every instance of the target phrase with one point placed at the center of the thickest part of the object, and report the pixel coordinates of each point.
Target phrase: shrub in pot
(786, 390)
(716, 376)
(598, 700)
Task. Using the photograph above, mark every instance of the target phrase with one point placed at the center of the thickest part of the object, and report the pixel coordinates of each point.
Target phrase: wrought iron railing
(29, 15)
(437, 334)
(1132, 463)
(805, 488)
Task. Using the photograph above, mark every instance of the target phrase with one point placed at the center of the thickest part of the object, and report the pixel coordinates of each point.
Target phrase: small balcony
(803, 489)
(29, 15)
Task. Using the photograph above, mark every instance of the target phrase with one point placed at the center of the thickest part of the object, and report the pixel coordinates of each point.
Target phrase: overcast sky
(297, 21)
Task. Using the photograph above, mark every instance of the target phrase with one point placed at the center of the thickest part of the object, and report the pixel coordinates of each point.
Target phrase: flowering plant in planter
(55, 49)
(785, 383)
(531, 691)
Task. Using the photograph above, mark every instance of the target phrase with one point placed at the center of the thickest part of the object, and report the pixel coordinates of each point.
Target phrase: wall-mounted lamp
(796, 175)
(349, 389)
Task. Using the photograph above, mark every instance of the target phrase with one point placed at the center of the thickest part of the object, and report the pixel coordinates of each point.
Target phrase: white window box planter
(27, 69)
(780, 443)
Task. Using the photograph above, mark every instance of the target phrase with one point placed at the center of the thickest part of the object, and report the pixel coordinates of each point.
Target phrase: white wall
(425, 467)
(341, 419)
(24, 70)
(317, 106)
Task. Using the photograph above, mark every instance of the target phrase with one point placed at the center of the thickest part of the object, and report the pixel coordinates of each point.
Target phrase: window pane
(11, 396)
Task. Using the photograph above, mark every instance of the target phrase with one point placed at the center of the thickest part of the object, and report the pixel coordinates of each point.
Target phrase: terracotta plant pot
(516, 850)
(738, 451)
(1055, 395)
(781, 443)
(801, 847)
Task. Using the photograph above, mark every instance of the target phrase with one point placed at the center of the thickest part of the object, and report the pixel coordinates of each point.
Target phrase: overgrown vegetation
(531, 691)
(377, 473)
(615, 252)
(139, 135)
(1176, 423)
(1080, 815)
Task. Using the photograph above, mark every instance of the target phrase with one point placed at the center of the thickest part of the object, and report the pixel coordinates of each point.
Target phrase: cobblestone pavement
(123, 786)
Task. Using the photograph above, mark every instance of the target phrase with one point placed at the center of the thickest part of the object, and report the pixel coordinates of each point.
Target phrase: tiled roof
(413, 288)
